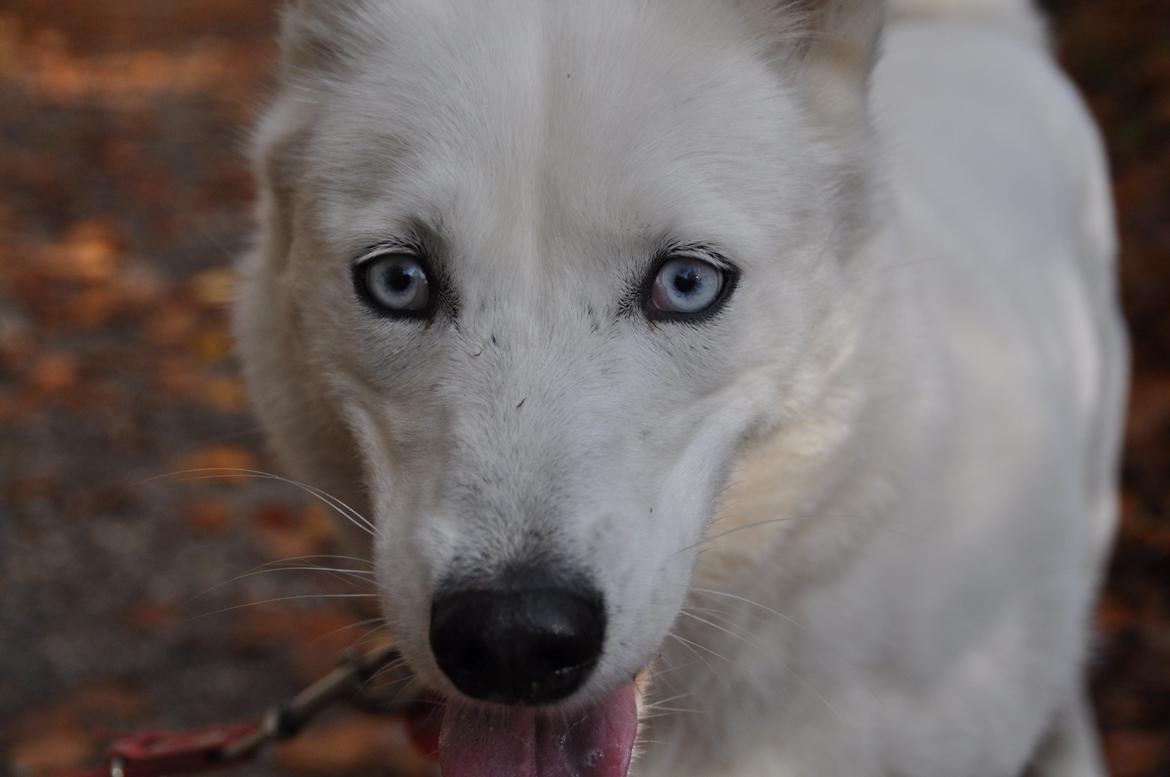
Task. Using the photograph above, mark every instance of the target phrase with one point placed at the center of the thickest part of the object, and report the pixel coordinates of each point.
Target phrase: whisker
(272, 566)
(356, 625)
(724, 629)
(373, 635)
(339, 507)
(704, 648)
(658, 669)
(354, 559)
(409, 685)
(282, 599)
(787, 667)
(670, 699)
(362, 575)
(745, 600)
(325, 497)
(661, 712)
(732, 530)
(662, 674)
(869, 689)
(211, 473)
(397, 663)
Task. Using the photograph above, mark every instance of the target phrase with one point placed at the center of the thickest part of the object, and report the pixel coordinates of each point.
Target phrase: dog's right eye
(394, 283)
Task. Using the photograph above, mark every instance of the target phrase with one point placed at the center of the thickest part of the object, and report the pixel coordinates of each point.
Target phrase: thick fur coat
(852, 525)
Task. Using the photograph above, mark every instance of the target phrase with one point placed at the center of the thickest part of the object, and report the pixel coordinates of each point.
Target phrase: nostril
(565, 653)
(517, 646)
(563, 628)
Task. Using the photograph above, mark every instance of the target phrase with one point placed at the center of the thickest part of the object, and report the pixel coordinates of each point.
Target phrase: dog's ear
(829, 46)
(320, 35)
(843, 35)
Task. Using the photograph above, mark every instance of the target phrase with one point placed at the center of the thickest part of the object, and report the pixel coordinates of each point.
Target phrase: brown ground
(123, 196)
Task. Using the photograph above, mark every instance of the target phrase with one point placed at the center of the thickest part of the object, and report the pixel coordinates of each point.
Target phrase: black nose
(516, 645)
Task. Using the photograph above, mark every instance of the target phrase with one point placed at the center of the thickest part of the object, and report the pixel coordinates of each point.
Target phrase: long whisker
(372, 635)
(354, 559)
(724, 629)
(722, 614)
(900, 526)
(397, 663)
(869, 689)
(329, 500)
(787, 668)
(704, 648)
(271, 566)
(360, 574)
(732, 530)
(661, 712)
(407, 685)
(355, 625)
(668, 700)
(662, 673)
(210, 473)
(282, 599)
(745, 600)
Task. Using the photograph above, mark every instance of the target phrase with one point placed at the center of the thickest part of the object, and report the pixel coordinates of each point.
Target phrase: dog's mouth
(595, 740)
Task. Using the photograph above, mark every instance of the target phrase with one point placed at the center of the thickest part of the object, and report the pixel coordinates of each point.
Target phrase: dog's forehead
(523, 123)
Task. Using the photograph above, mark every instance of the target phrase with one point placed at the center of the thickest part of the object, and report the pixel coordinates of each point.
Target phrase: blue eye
(686, 286)
(394, 283)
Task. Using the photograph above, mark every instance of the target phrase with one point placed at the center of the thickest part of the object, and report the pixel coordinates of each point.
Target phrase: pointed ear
(829, 47)
(320, 35)
(843, 35)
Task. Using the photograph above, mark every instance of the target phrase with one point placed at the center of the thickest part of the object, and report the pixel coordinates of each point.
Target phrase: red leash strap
(171, 753)
(161, 753)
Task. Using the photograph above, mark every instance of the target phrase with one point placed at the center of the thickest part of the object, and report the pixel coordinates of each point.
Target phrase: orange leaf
(52, 750)
(210, 516)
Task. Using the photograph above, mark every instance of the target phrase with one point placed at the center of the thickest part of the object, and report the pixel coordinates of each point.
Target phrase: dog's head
(530, 275)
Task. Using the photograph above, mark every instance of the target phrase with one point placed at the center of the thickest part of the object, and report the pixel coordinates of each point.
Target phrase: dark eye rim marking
(436, 280)
(704, 253)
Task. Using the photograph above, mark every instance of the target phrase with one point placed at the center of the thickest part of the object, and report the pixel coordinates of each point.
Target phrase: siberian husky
(733, 383)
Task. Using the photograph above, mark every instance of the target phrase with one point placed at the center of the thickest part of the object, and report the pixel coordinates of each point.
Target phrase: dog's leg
(1070, 749)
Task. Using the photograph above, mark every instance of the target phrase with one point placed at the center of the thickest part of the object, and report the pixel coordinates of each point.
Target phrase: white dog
(749, 367)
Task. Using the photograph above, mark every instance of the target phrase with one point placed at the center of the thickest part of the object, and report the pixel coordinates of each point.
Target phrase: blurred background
(125, 195)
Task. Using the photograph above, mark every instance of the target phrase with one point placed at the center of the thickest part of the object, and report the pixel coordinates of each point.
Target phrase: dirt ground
(124, 196)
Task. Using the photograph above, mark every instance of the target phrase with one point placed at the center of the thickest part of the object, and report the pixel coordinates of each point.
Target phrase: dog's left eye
(394, 283)
(686, 286)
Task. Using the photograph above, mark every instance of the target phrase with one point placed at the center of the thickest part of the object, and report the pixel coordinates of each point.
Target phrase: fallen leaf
(52, 750)
(91, 252)
(54, 373)
(152, 615)
(209, 516)
(171, 325)
(215, 287)
(225, 394)
(213, 347)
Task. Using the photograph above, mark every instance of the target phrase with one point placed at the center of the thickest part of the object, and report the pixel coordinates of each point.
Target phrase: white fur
(899, 438)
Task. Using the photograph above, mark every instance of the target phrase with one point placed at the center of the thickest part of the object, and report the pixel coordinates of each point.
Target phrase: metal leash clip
(348, 681)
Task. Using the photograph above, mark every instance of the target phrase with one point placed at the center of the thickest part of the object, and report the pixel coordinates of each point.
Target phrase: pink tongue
(520, 742)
